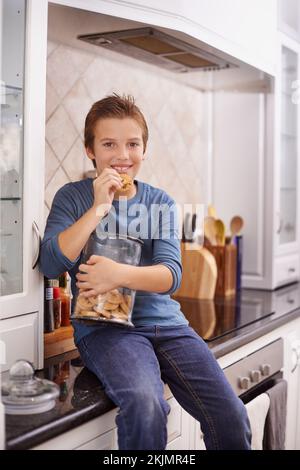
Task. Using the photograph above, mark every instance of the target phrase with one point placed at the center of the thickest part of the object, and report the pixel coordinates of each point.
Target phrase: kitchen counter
(219, 322)
(228, 323)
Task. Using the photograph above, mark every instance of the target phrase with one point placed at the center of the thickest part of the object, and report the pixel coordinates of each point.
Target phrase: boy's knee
(149, 405)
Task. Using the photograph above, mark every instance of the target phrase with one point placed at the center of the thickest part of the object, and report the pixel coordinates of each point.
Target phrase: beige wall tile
(51, 164)
(176, 156)
(73, 164)
(77, 103)
(61, 71)
(60, 132)
(52, 100)
(58, 180)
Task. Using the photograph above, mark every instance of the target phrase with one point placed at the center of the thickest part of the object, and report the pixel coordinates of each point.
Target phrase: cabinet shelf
(11, 87)
(10, 199)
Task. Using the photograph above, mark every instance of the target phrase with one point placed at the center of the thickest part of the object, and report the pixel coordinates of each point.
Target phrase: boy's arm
(67, 231)
(72, 240)
(157, 278)
(102, 274)
(65, 236)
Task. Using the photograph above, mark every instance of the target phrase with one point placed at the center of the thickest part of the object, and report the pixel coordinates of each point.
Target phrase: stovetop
(230, 316)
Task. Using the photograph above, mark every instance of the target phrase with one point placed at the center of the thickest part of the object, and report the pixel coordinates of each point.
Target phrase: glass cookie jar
(115, 306)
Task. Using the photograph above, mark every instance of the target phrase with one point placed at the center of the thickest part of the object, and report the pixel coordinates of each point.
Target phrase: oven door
(258, 368)
(252, 378)
(261, 388)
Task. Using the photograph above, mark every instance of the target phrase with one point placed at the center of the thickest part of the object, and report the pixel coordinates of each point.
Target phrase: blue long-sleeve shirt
(153, 213)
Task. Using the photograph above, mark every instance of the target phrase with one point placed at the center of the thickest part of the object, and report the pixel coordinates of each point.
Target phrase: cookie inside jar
(114, 306)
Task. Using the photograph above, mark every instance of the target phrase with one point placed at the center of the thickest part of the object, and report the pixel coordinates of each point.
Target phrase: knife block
(199, 272)
(226, 260)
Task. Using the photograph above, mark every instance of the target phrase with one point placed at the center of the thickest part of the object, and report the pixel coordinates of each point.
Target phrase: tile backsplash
(176, 157)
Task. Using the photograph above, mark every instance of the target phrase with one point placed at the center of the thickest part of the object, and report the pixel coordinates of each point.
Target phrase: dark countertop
(82, 397)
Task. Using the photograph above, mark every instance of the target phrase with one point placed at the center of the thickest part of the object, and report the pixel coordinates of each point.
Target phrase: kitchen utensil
(199, 273)
(194, 221)
(210, 230)
(189, 227)
(220, 232)
(225, 257)
(236, 225)
(186, 227)
(238, 240)
(116, 305)
(212, 211)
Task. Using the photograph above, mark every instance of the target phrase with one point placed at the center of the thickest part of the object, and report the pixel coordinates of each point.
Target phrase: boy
(133, 363)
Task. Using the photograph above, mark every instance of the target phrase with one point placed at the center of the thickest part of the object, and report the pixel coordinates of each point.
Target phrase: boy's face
(118, 143)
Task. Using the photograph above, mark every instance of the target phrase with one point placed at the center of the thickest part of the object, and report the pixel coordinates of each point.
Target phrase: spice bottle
(56, 307)
(48, 307)
(65, 296)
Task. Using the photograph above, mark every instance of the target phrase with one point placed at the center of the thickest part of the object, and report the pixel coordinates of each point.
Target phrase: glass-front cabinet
(288, 197)
(288, 146)
(12, 146)
(289, 18)
(23, 55)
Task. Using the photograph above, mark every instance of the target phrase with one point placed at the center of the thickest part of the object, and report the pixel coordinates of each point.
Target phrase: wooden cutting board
(199, 272)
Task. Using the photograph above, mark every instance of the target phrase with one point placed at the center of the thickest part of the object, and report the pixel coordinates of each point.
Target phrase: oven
(253, 379)
(257, 372)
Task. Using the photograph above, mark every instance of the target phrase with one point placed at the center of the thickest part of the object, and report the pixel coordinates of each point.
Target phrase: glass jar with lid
(116, 305)
(23, 393)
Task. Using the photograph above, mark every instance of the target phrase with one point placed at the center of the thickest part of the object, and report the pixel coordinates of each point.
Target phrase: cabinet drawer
(19, 339)
(286, 270)
(287, 301)
(106, 441)
(174, 420)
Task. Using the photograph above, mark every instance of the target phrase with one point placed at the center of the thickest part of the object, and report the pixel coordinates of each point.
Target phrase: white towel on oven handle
(257, 410)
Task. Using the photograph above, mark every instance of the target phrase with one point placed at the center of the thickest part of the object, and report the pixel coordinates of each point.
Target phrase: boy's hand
(98, 276)
(105, 186)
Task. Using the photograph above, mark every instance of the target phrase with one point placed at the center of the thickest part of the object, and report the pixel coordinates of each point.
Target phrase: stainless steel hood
(158, 48)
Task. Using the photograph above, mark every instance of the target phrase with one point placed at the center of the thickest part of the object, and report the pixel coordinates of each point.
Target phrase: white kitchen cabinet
(286, 195)
(289, 18)
(23, 85)
(20, 337)
(98, 431)
(292, 375)
(106, 441)
(256, 171)
(101, 433)
(290, 333)
(287, 147)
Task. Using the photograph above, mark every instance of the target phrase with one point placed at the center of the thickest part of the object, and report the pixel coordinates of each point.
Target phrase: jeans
(132, 365)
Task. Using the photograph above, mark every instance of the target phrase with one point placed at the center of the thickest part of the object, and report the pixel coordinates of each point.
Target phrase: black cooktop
(213, 319)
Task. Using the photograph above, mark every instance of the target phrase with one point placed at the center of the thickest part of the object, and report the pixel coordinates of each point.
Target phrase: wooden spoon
(211, 210)
(220, 232)
(236, 225)
(210, 230)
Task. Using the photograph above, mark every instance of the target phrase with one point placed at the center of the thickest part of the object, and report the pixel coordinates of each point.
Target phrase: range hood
(157, 48)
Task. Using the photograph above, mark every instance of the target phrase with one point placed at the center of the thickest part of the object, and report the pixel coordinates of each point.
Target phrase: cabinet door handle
(38, 236)
(280, 223)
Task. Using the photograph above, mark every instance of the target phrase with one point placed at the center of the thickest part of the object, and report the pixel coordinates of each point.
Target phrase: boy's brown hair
(113, 106)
